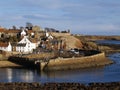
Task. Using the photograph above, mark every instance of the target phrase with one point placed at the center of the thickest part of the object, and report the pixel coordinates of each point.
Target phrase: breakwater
(59, 86)
(76, 62)
(63, 63)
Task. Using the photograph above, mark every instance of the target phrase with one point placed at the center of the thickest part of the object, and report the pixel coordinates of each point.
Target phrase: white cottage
(25, 45)
(5, 46)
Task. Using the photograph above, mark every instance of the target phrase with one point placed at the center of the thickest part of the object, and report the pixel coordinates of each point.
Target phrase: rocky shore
(99, 37)
(89, 42)
(59, 86)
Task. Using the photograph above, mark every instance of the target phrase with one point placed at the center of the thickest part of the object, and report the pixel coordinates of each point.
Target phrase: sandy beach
(5, 64)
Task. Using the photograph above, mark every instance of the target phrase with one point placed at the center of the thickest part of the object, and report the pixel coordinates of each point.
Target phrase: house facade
(25, 45)
(5, 46)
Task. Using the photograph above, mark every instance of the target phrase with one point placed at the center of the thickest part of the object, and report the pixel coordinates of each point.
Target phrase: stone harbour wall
(62, 63)
(76, 62)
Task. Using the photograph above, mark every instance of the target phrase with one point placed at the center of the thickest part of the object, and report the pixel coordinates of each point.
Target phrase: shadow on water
(74, 75)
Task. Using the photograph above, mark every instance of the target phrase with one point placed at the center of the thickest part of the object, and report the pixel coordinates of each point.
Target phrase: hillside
(71, 41)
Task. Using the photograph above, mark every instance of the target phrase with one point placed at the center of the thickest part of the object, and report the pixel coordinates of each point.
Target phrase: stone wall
(63, 63)
(75, 63)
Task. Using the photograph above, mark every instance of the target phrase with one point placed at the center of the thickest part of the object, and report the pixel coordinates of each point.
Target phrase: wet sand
(6, 64)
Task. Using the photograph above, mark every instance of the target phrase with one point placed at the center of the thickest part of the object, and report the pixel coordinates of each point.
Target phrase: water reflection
(9, 73)
(101, 74)
(17, 75)
(25, 75)
(75, 75)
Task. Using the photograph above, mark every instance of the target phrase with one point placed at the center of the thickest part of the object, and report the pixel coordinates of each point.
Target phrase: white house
(25, 45)
(5, 46)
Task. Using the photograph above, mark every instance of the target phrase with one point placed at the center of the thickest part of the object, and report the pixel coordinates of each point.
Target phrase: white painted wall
(28, 47)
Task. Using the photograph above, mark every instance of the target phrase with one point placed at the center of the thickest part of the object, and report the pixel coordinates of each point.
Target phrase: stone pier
(76, 62)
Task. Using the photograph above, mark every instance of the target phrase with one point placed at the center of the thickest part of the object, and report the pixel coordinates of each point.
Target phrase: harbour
(109, 73)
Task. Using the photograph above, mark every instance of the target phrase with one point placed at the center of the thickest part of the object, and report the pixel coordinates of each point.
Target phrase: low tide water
(115, 42)
(109, 73)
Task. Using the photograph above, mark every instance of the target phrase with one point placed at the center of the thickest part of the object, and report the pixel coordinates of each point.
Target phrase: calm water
(108, 73)
(108, 42)
(102, 74)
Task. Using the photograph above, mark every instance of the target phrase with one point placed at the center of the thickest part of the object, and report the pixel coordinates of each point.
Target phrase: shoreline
(60, 86)
(59, 63)
(76, 63)
(8, 64)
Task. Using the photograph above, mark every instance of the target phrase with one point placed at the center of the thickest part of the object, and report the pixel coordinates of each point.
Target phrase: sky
(95, 17)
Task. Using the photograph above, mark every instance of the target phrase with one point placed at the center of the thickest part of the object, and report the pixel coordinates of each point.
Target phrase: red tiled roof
(3, 44)
(9, 31)
(2, 30)
(12, 31)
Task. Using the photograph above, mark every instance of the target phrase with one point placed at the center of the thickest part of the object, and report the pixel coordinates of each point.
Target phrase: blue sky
(80, 16)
